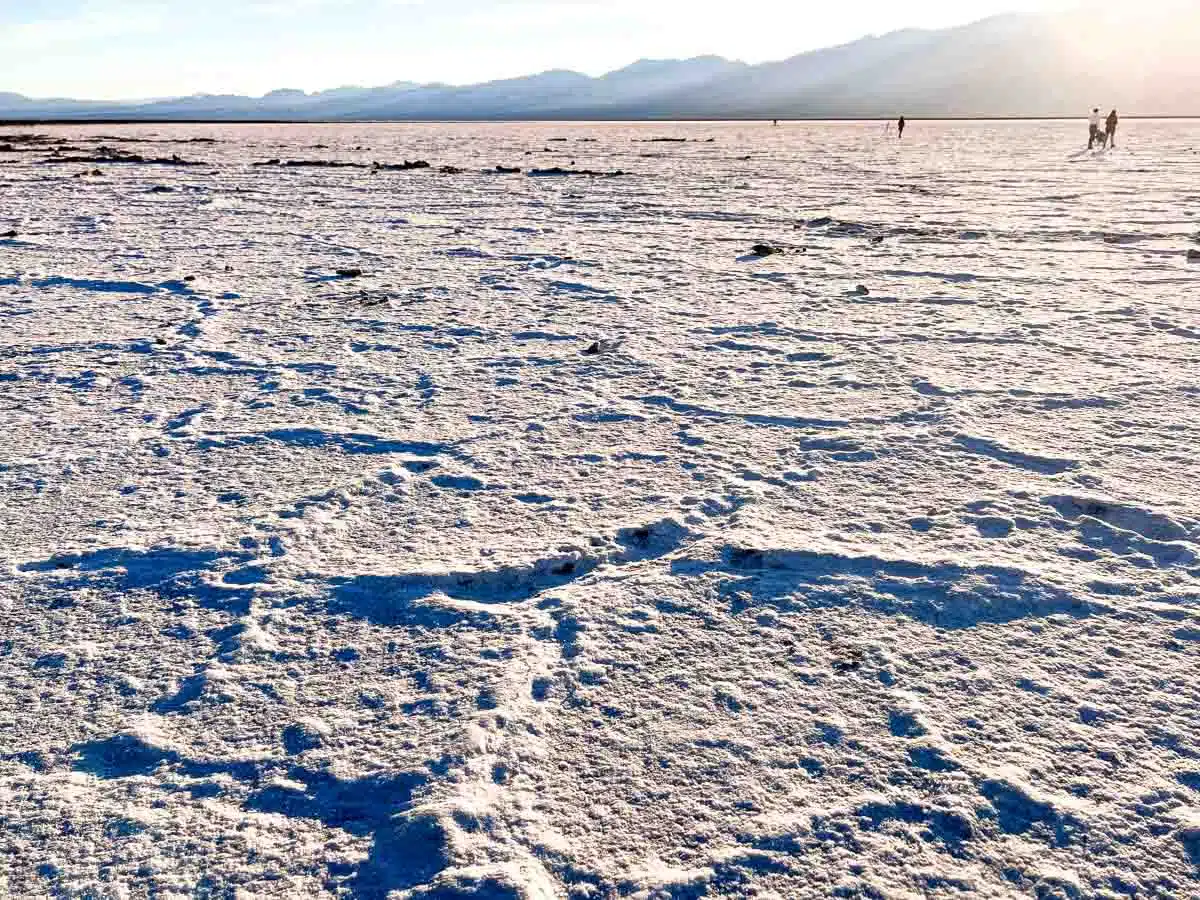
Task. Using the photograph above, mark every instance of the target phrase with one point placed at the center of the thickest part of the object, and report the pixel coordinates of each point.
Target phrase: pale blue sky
(152, 48)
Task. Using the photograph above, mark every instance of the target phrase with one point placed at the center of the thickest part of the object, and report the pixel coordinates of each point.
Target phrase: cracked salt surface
(319, 586)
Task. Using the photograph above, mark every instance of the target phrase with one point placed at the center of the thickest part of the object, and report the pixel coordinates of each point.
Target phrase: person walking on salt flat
(1110, 130)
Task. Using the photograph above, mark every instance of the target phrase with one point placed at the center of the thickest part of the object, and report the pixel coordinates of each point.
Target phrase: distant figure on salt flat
(1110, 130)
(900, 126)
(1094, 127)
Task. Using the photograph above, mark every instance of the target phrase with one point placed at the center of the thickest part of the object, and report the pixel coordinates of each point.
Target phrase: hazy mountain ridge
(1015, 65)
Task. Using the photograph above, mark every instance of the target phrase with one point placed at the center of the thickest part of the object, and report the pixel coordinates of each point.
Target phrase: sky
(139, 49)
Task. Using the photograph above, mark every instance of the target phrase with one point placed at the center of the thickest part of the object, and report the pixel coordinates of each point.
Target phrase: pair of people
(1107, 137)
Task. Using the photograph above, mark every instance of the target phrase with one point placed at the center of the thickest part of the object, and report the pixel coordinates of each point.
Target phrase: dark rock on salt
(105, 154)
(313, 164)
(349, 273)
(765, 250)
(405, 166)
(322, 164)
(26, 139)
(862, 290)
(602, 346)
(562, 173)
(848, 660)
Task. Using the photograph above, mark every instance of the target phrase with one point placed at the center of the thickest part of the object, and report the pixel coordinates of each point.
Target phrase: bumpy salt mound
(510, 881)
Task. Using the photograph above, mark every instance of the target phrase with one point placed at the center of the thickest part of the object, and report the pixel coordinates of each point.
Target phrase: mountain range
(1142, 62)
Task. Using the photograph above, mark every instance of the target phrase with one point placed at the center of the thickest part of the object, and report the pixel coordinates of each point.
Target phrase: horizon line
(166, 120)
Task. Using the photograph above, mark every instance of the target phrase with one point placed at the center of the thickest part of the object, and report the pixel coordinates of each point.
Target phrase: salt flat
(316, 585)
